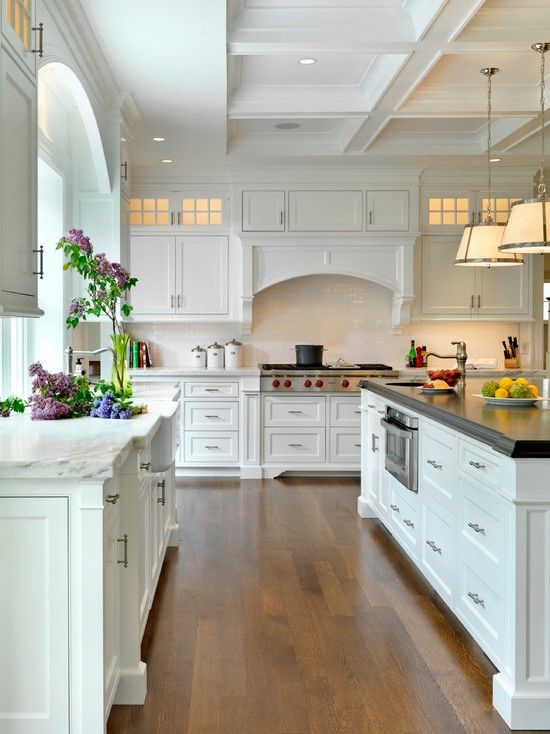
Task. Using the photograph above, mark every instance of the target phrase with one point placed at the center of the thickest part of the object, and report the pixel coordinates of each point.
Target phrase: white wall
(351, 317)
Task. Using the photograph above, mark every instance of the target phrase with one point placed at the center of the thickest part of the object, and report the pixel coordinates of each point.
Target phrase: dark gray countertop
(517, 432)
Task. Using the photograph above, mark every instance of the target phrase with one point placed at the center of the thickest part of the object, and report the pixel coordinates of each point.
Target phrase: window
(500, 208)
(18, 16)
(150, 212)
(14, 339)
(201, 212)
(448, 211)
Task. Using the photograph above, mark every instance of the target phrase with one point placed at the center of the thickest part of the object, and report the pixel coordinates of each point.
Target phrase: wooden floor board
(282, 612)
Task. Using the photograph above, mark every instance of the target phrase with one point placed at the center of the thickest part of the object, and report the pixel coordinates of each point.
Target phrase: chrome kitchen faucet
(461, 357)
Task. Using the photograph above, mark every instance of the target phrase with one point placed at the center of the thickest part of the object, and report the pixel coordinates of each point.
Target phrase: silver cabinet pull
(382, 412)
(395, 508)
(124, 171)
(162, 498)
(358, 412)
(476, 527)
(409, 523)
(212, 416)
(296, 412)
(179, 217)
(296, 445)
(171, 217)
(40, 30)
(124, 540)
(433, 546)
(145, 466)
(357, 445)
(211, 389)
(373, 446)
(476, 599)
(472, 301)
(281, 218)
(370, 216)
(434, 464)
(171, 301)
(371, 406)
(179, 301)
(112, 498)
(476, 465)
(211, 447)
(479, 301)
(40, 253)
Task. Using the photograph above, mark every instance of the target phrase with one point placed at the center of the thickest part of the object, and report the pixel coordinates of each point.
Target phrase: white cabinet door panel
(281, 411)
(211, 389)
(211, 448)
(112, 553)
(318, 211)
(502, 291)
(209, 414)
(153, 263)
(294, 446)
(388, 211)
(34, 599)
(437, 550)
(345, 410)
(345, 446)
(202, 267)
(263, 211)
(446, 289)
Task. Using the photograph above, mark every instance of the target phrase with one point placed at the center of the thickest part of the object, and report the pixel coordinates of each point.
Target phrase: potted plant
(107, 284)
(11, 404)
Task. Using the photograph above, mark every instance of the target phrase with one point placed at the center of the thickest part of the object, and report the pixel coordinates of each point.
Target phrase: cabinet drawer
(345, 446)
(345, 411)
(211, 448)
(480, 464)
(438, 449)
(211, 389)
(483, 533)
(437, 550)
(481, 610)
(299, 446)
(404, 518)
(294, 411)
(203, 415)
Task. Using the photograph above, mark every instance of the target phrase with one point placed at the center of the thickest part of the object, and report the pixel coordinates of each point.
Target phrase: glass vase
(120, 376)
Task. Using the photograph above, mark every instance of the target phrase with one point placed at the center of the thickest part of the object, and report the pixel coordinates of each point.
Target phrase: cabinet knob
(112, 498)
(146, 466)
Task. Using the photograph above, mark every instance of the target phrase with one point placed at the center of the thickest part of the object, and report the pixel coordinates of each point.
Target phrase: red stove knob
(307, 383)
(276, 383)
(345, 383)
(319, 383)
(287, 383)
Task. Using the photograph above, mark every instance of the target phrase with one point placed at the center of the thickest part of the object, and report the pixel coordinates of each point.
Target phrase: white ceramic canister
(198, 357)
(233, 355)
(215, 357)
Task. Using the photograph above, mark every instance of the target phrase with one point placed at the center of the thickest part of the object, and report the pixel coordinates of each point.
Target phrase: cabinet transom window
(150, 211)
(18, 16)
(201, 211)
(500, 208)
(448, 210)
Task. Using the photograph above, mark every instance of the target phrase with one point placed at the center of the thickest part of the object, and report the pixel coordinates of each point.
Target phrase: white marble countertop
(77, 448)
(144, 392)
(192, 372)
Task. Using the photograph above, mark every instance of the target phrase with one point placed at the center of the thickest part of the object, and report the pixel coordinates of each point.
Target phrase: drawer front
(403, 519)
(481, 465)
(438, 465)
(205, 415)
(294, 411)
(482, 611)
(345, 411)
(483, 533)
(211, 389)
(299, 446)
(211, 448)
(345, 446)
(437, 550)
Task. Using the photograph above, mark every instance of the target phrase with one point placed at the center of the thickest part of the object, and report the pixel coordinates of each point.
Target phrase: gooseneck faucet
(461, 357)
(70, 353)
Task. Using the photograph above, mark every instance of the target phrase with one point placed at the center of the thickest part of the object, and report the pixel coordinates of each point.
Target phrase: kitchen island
(478, 527)
(86, 514)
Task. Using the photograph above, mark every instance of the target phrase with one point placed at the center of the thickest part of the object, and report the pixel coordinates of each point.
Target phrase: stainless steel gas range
(291, 378)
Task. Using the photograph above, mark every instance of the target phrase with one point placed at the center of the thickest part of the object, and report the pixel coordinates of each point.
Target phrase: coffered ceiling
(393, 80)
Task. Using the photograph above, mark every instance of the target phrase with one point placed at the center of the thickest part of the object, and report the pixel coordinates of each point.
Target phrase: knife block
(512, 363)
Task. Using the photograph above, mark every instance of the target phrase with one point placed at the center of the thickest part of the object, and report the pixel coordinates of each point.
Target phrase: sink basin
(405, 384)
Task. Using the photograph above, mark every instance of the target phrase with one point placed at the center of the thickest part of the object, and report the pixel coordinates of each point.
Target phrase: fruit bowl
(510, 393)
(451, 377)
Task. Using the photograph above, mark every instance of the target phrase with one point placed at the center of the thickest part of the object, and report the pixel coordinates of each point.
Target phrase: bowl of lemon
(509, 392)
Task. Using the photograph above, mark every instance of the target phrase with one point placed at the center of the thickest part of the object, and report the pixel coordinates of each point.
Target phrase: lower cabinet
(112, 555)
(437, 548)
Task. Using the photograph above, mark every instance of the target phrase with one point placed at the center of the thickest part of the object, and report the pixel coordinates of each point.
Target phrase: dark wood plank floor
(282, 612)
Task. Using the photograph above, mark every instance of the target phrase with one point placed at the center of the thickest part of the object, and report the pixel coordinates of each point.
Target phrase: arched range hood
(385, 260)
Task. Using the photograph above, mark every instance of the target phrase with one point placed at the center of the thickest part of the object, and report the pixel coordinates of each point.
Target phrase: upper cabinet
(325, 211)
(263, 211)
(445, 212)
(180, 211)
(387, 211)
(20, 31)
(124, 168)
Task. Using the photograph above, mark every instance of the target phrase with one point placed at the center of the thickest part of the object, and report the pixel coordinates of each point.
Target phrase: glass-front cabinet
(184, 211)
(19, 30)
(446, 212)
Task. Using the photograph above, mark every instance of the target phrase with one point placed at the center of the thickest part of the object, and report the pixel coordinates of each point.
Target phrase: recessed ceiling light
(307, 61)
(159, 140)
(287, 125)
(495, 160)
(167, 160)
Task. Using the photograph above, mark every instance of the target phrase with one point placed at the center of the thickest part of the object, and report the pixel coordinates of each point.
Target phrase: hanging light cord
(542, 186)
(489, 141)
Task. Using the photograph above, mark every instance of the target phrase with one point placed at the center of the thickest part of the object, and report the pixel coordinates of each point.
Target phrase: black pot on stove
(309, 355)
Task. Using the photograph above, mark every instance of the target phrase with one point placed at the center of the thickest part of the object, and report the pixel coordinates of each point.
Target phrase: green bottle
(412, 354)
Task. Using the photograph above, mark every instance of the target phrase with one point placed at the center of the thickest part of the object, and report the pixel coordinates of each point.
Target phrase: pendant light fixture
(480, 242)
(528, 227)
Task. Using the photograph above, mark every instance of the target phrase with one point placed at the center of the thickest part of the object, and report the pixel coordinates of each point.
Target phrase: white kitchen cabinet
(113, 552)
(34, 599)
(437, 548)
(450, 291)
(263, 211)
(153, 263)
(125, 183)
(19, 261)
(448, 212)
(318, 211)
(18, 23)
(387, 211)
(179, 211)
(202, 275)
(345, 446)
(145, 552)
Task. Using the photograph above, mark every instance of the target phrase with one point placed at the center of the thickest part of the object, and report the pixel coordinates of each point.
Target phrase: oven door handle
(407, 434)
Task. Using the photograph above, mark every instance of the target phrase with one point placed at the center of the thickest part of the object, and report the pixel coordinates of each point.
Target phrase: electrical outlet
(524, 348)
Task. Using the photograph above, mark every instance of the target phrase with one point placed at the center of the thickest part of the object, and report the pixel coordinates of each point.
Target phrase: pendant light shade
(527, 228)
(479, 246)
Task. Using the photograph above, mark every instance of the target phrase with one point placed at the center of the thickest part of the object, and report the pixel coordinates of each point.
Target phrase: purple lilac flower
(125, 414)
(104, 267)
(45, 409)
(78, 237)
(122, 276)
(76, 308)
